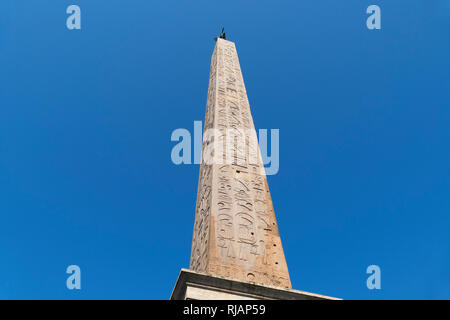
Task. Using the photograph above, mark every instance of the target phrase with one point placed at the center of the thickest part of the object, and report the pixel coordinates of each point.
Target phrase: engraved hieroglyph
(235, 231)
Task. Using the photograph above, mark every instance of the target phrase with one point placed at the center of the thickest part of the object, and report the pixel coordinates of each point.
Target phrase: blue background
(86, 117)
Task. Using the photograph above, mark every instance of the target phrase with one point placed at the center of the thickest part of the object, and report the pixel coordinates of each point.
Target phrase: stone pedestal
(193, 285)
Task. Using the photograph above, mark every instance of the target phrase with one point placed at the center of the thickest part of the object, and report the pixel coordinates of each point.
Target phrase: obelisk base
(200, 286)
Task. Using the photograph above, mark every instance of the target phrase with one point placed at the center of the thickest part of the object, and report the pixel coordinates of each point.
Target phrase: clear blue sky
(86, 118)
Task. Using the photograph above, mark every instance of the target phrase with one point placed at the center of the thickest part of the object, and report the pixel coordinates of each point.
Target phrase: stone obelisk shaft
(235, 231)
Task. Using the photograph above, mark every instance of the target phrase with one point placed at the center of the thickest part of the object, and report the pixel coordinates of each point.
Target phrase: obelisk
(235, 232)
(236, 247)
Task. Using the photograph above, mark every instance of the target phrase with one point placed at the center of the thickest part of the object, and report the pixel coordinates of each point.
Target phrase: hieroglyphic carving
(235, 233)
(225, 225)
(200, 237)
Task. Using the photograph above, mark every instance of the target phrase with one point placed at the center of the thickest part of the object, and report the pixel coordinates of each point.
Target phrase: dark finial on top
(222, 35)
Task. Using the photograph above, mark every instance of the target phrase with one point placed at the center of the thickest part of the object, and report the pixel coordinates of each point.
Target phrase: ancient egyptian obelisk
(236, 246)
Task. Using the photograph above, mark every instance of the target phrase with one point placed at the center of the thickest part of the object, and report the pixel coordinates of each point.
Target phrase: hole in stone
(276, 262)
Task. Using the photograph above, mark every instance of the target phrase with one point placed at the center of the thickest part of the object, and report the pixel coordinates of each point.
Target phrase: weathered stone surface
(235, 231)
